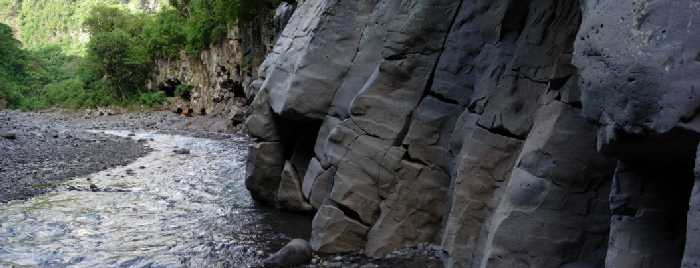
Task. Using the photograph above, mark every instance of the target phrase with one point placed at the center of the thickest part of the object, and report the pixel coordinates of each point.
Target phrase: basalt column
(638, 66)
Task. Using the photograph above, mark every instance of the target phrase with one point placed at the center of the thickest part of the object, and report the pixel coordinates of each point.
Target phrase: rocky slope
(221, 74)
(534, 133)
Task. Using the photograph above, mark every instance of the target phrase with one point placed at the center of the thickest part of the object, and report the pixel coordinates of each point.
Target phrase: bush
(183, 91)
(118, 58)
(152, 99)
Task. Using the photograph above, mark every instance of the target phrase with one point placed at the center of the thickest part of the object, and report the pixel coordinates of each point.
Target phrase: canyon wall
(513, 133)
(220, 75)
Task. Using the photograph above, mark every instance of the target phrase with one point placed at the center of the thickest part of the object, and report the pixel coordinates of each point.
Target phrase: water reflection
(163, 210)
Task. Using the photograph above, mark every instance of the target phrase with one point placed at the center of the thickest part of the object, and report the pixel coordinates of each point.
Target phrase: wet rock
(289, 193)
(296, 252)
(8, 135)
(334, 232)
(264, 169)
(94, 188)
(181, 151)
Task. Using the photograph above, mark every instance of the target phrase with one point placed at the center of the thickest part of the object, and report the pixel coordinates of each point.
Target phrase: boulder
(261, 123)
(296, 252)
(289, 193)
(264, 169)
(8, 135)
(322, 186)
(334, 232)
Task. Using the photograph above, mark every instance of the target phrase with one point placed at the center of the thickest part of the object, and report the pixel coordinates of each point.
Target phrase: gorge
(501, 133)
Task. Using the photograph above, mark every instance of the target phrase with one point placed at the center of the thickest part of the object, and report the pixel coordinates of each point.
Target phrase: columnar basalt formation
(536, 133)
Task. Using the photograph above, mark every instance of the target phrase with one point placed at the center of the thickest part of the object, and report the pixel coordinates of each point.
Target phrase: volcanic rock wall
(514, 133)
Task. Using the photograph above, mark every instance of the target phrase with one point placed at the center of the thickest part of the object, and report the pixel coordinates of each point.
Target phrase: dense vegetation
(113, 66)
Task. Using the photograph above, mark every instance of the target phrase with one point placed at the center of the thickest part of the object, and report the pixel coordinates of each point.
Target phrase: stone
(623, 45)
(261, 123)
(482, 168)
(365, 176)
(289, 193)
(334, 232)
(181, 151)
(519, 69)
(461, 133)
(411, 48)
(312, 172)
(296, 252)
(321, 147)
(322, 187)
(556, 196)
(313, 56)
(264, 169)
(428, 137)
(412, 214)
(8, 135)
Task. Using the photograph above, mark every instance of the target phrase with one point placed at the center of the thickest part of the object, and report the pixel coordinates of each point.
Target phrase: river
(162, 210)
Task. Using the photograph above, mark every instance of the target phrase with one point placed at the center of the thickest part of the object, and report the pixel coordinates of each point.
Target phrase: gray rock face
(264, 170)
(556, 198)
(289, 193)
(334, 232)
(296, 252)
(490, 127)
(691, 258)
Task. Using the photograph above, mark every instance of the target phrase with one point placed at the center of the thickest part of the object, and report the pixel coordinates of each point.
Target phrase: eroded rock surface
(512, 133)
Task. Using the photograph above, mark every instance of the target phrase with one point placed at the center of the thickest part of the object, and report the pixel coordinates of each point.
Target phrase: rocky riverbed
(139, 189)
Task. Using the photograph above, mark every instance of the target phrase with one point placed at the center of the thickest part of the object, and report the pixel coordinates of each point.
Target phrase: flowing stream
(162, 210)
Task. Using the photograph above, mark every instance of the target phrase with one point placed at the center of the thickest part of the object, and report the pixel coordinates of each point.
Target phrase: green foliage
(183, 91)
(88, 53)
(13, 71)
(115, 51)
(151, 99)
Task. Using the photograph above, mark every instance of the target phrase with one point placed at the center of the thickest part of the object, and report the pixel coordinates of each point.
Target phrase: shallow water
(163, 210)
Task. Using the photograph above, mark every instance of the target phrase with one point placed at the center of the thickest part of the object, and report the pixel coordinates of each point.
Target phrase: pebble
(8, 135)
(181, 151)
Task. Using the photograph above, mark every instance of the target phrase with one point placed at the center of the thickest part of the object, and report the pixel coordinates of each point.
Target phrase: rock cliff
(531, 133)
(220, 75)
